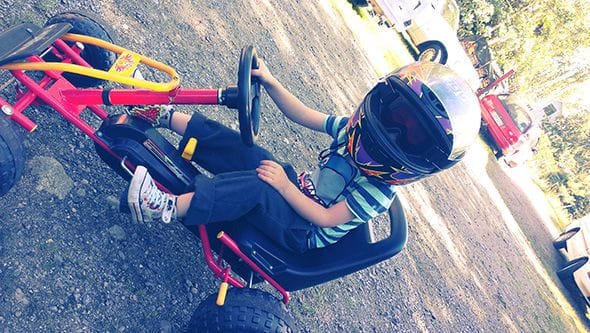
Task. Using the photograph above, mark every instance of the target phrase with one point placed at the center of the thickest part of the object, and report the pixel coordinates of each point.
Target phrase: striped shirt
(336, 179)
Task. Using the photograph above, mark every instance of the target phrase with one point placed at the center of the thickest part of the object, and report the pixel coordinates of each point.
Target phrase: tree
(569, 177)
(537, 38)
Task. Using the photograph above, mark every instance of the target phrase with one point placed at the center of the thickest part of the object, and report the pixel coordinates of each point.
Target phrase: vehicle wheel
(245, 310)
(487, 138)
(12, 156)
(98, 58)
(571, 266)
(432, 51)
(560, 241)
(359, 3)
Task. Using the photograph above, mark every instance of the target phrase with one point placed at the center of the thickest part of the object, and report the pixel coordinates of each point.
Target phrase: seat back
(297, 271)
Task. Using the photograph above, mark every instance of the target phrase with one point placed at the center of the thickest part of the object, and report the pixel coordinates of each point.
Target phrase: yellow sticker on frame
(125, 64)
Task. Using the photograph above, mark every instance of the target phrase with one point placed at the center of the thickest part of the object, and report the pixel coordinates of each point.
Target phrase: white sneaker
(147, 202)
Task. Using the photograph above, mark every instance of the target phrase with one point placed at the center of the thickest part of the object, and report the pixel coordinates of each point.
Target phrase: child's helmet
(415, 122)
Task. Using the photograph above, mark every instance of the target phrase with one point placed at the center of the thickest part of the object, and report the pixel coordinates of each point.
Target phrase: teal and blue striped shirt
(366, 197)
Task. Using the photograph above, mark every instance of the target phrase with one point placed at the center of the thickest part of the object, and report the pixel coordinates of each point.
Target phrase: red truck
(509, 128)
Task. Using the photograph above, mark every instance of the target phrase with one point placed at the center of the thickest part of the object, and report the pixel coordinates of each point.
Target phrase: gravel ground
(70, 262)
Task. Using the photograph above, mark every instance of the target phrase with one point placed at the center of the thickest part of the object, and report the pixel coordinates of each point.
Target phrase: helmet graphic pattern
(368, 166)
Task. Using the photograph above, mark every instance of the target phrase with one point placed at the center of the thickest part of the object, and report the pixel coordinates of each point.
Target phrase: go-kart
(62, 64)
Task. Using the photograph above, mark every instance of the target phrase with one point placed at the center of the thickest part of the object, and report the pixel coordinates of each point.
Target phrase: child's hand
(262, 73)
(274, 174)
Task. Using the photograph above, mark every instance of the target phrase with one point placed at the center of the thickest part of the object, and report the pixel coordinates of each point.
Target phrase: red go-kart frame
(61, 69)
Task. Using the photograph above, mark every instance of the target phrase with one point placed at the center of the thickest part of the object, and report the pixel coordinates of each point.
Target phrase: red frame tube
(227, 241)
(68, 111)
(141, 97)
(215, 266)
(24, 101)
(70, 53)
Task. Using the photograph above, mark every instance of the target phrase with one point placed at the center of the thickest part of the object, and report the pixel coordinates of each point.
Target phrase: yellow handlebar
(100, 74)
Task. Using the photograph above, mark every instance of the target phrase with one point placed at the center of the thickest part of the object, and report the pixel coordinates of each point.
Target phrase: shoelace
(160, 201)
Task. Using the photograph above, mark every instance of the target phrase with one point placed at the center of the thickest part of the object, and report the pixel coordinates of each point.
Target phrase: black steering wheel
(248, 102)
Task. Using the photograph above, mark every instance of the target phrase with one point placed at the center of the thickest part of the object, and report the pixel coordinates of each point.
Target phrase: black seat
(293, 271)
(26, 39)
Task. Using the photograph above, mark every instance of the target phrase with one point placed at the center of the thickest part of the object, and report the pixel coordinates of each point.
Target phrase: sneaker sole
(133, 196)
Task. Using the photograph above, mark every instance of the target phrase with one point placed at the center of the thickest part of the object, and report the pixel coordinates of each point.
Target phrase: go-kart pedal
(140, 144)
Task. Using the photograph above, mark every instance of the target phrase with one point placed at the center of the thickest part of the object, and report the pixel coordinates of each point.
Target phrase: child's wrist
(269, 83)
(286, 188)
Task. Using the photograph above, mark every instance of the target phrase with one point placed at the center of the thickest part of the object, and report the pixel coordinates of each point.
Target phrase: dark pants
(236, 193)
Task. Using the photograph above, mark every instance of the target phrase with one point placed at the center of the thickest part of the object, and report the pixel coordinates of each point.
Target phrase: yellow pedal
(125, 64)
(222, 293)
(189, 149)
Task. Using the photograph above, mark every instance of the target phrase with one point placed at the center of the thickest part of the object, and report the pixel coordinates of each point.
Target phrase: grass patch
(559, 215)
(543, 164)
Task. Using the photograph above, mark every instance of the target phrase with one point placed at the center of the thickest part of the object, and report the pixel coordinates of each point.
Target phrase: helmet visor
(403, 129)
(451, 99)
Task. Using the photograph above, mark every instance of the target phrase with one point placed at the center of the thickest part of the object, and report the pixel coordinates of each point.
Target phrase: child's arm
(290, 105)
(274, 174)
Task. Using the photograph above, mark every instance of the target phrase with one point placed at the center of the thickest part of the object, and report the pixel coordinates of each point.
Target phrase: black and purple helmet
(415, 122)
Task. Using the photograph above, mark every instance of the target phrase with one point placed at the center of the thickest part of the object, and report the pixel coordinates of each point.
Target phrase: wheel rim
(428, 55)
(576, 264)
(566, 236)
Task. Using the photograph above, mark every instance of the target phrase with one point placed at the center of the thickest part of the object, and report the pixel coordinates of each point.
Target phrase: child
(415, 122)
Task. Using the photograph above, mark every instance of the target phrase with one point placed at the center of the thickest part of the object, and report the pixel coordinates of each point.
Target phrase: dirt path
(70, 262)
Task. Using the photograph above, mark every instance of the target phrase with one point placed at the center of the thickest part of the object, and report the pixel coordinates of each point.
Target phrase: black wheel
(245, 310)
(12, 156)
(432, 51)
(498, 154)
(248, 96)
(489, 140)
(560, 241)
(571, 266)
(359, 3)
(98, 58)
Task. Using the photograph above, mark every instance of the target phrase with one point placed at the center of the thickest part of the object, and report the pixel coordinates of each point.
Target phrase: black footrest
(144, 145)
